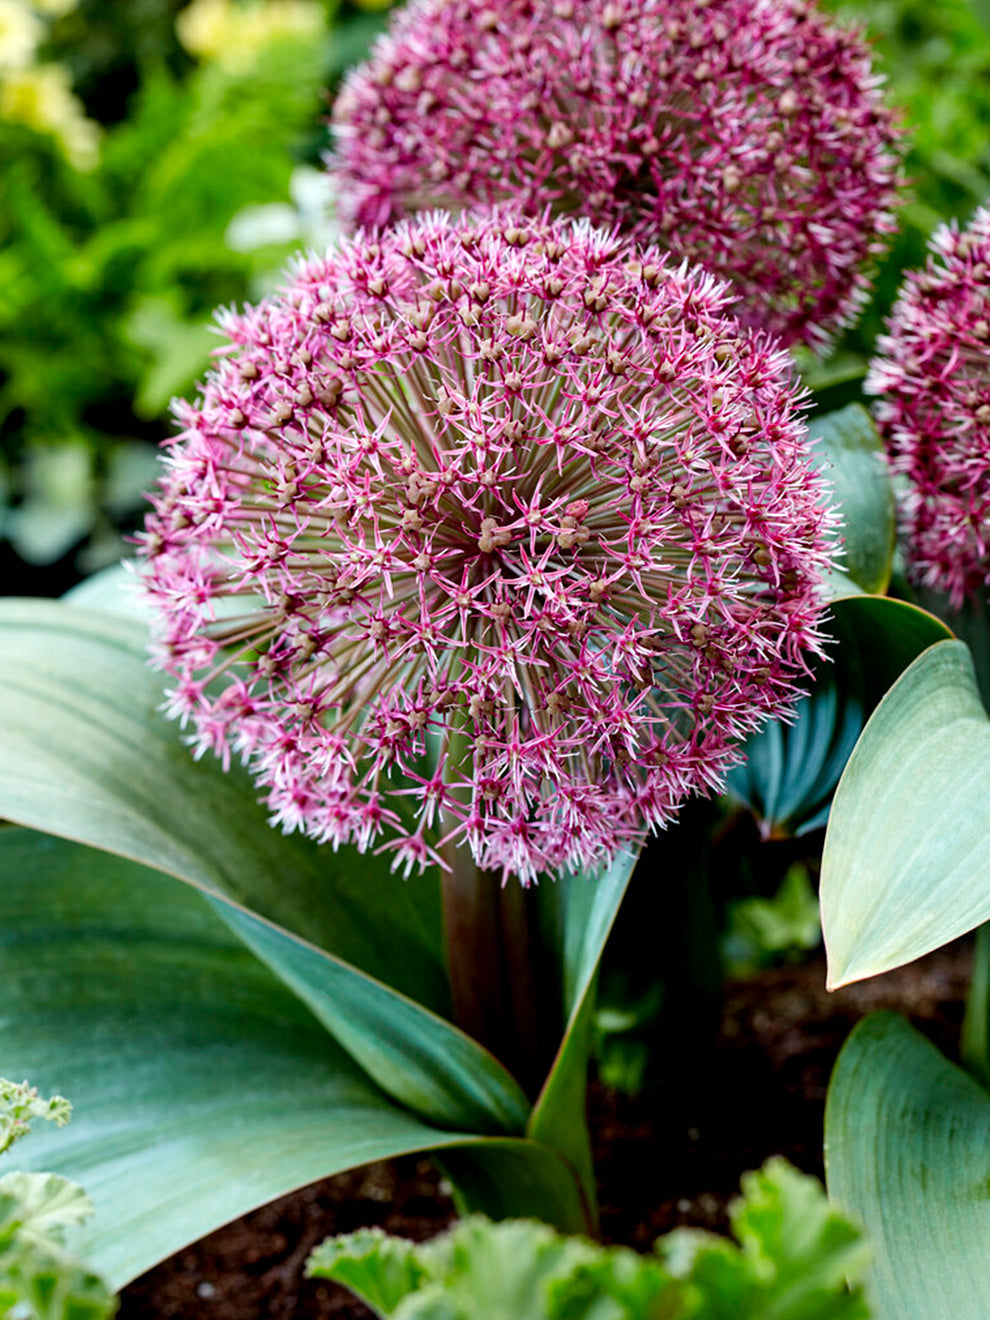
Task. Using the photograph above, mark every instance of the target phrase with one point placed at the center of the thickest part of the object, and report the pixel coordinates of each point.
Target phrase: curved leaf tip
(906, 866)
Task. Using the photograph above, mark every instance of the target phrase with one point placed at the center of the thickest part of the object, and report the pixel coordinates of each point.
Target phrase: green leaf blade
(201, 1086)
(586, 909)
(851, 455)
(85, 754)
(907, 1136)
(419, 1059)
(906, 866)
(380, 1269)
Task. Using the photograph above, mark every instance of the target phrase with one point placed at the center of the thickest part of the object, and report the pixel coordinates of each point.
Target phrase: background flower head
(932, 372)
(491, 530)
(749, 136)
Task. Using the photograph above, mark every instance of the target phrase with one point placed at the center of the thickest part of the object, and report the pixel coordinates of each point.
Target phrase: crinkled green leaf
(795, 1255)
(907, 1152)
(46, 1201)
(509, 1265)
(761, 929)
(38, 1276)
(20, 1105)
(380, 1269)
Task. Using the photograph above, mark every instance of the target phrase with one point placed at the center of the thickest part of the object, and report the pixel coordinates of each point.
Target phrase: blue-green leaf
(201, 1085)
(907, 1151)
(906, 866)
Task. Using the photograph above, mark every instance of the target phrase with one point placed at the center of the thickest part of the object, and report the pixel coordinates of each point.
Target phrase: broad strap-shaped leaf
(907, 1151)
(85, 754)
(113, 590)
(415, 1056)
(586, 908)
(974, 1046)
(82, 724)
(851, 455)
(906, 866)
(201, 1085)
(875, 639)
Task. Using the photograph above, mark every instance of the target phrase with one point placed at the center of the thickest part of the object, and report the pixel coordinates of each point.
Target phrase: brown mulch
(669, 1156)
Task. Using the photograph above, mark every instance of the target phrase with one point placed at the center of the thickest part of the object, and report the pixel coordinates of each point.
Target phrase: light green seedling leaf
(762, 928)
(797, 1254)
(907, 1152)
(46, 1201)
(796, 1257)
(39, 1279)
(20, 1104)
(906, 866)
(380, 1269)
(851, 455)
(511, 1266)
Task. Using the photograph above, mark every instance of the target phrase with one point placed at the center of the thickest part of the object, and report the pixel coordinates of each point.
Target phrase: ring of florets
(495, 520)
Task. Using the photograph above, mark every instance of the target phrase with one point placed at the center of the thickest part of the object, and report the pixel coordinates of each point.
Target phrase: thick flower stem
(470, 925)
(499, 990)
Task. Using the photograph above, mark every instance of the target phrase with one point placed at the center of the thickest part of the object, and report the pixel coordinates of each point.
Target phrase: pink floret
(933, 375)
(749, 136)
(489, 532)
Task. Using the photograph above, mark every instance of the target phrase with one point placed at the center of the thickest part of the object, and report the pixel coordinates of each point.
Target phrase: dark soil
(672, 1155)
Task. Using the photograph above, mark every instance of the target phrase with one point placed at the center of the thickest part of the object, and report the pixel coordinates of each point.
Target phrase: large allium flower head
(487, 532)
(749, 136)
(933, 373)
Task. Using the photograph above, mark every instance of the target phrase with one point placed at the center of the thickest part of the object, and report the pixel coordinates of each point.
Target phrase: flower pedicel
(487, 533)
(749, 136)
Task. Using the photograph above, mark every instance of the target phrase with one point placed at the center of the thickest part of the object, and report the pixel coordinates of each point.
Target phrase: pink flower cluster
(933, 373)
(749, 136)
(496, 532)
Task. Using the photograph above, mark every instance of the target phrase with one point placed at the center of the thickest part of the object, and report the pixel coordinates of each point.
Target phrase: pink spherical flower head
(933, 373)
(749, 136)
(491, 533)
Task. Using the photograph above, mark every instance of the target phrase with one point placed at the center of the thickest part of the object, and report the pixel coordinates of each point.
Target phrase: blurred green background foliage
(161, 158)
(157, 160)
